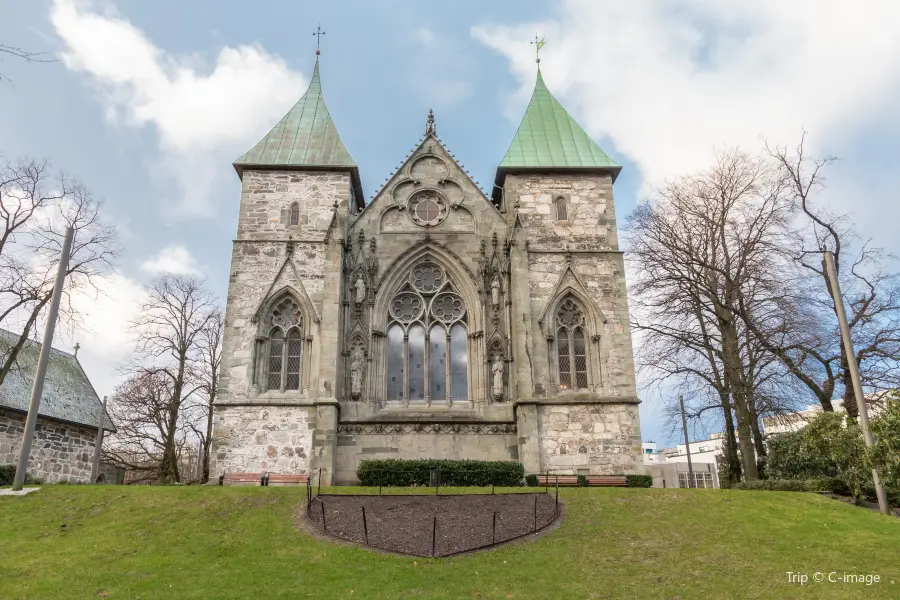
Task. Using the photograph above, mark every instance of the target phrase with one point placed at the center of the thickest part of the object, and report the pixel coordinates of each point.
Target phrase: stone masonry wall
(256, 439)
(59, 452)
(260, 251)
(354, 448)
(599, 439)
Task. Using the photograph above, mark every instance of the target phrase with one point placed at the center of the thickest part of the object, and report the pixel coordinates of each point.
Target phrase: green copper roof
(549, 137)
(305, 137)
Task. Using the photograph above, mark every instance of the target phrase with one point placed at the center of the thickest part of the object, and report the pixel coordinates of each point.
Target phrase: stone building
(434, 321)
(68, 419)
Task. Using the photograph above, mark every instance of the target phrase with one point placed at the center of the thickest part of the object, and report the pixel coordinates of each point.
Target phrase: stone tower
(434, 321)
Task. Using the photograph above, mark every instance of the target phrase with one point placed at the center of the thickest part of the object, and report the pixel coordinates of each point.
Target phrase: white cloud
(441, 68)
(204, 118)
(669, 83)
(174, 260)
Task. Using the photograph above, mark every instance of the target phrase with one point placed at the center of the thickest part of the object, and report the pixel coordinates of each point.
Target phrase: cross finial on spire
(538, 44)
(318, 33)
(429, 125)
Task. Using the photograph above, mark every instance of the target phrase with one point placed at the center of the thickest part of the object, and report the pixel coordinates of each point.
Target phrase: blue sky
(150, 103)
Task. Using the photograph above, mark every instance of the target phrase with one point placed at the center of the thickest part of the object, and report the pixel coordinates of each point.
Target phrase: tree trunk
(732, 362)
(731, 454)
(207, 442)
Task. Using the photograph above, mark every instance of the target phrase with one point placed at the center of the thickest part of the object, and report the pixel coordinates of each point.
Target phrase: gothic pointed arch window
(427, 339)
(284, 356)
(571, 346)
(294, 214)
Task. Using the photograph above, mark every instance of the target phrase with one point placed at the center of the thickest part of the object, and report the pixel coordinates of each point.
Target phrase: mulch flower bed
(405, 524)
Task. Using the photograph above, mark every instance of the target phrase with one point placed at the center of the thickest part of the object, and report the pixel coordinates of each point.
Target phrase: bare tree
(797, 322)
(210, 360)
(172, 330)
(700, 244)
(35, 210)
(26, 55)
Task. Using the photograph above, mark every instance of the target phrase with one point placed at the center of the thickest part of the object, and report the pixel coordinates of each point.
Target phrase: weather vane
(318, 33)
(538, 44)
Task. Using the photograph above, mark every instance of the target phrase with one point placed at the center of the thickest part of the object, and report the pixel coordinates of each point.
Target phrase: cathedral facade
(434, 321)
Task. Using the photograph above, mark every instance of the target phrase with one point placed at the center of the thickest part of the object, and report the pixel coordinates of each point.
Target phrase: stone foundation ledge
(578, 398)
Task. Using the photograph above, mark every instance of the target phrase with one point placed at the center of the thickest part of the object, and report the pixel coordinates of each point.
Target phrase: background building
(68, 420)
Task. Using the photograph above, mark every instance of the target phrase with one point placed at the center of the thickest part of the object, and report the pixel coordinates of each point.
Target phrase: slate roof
(549, 139)
(68, 394)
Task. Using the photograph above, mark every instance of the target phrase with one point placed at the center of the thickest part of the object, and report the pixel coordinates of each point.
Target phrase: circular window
(427, 208)
(569, 314)
(447, 308)
(406, 307)
(427, 277)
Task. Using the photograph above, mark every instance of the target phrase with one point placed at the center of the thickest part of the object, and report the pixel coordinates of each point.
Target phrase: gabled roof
(305, 137)
(549, 139)
(68, 394)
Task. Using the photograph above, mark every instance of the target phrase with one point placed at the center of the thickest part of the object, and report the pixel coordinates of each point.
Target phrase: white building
(798, 420)
(669, 467)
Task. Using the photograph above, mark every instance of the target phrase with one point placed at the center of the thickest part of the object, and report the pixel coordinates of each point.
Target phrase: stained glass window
(294, 345)
(571, 346)
(428, 302)
(276, 349)
(437, 363)
(395, 361)
(416, 363)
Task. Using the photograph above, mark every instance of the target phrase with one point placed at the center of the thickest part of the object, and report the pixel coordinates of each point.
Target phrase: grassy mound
(207, 542)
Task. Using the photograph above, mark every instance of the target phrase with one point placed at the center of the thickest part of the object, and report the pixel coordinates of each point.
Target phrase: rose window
(447, 308)
(428, 209)
(427, 277)
(406, 307)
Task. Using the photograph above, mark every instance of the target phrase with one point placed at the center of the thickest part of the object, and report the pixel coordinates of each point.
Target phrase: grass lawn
(241, 542)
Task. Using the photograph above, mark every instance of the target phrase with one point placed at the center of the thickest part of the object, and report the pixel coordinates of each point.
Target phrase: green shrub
(644, 481)
(582, 481)
(835, 485)
(8, 474)
(531, 480)
(773, 485)
(401, 473)
(790, 457)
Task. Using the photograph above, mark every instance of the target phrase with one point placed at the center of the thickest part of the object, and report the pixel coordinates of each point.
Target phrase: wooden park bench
(607, 480)
(280, 479)
(551, 480)
(241, 479)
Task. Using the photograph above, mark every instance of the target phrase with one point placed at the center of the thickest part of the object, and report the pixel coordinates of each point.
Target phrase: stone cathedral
(434, 321)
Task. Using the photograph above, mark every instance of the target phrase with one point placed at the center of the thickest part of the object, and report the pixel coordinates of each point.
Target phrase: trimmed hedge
(8, 474)
(643, 481)
(774, 485)
(531, 480)
(401, 473)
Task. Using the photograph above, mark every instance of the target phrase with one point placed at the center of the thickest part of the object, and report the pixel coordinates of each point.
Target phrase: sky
(149, 103)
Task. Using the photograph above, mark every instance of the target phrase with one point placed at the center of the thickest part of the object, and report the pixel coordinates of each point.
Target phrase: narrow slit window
(562, 211)
(294, 218)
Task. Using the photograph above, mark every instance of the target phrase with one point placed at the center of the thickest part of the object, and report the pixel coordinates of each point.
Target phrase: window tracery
(284, 358)
(571, 347)
(427, 339)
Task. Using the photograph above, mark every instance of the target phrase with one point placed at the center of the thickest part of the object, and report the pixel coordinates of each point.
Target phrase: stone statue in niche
(356, 368)
(360, 287)
(497, 370)
(495, 291)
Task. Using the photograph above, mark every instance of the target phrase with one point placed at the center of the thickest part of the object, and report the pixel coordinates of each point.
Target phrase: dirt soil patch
(432, 525)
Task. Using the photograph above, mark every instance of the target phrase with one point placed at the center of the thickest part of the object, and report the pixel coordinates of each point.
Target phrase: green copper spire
(548, 138)
(304, 137)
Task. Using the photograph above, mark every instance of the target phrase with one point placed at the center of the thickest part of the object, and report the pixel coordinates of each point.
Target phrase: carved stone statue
(497, 370)
(356, 368)
(495, 291)
(360, 286)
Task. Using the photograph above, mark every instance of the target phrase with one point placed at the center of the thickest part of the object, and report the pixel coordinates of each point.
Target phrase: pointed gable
(549, 139)
(305, 137)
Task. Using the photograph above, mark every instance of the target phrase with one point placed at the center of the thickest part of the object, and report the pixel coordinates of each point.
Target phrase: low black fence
(432, 525)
